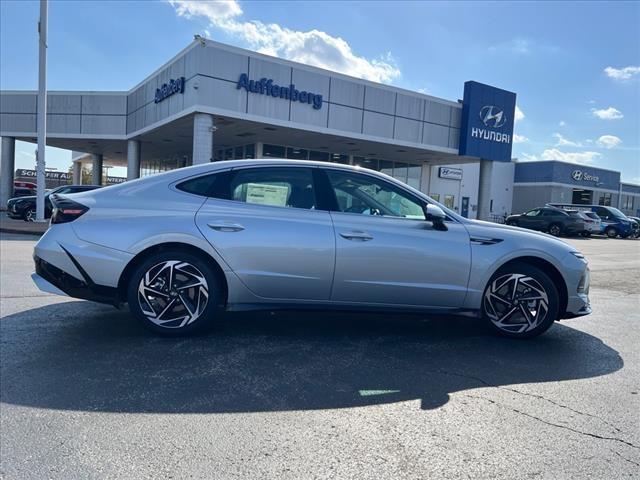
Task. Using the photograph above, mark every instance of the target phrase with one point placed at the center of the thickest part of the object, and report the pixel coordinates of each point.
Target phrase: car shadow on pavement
(88, 357)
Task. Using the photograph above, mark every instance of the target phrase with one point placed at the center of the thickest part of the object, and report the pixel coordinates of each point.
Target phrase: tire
(190, 306)
(512, 223)
(555, 229)
(586, 234)
(29, 215)
(505, 316)
(611, 232)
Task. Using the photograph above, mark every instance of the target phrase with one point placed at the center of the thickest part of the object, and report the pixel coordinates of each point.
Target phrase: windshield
(617, 213)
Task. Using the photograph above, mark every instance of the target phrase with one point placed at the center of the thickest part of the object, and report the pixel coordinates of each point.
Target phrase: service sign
(487, 122)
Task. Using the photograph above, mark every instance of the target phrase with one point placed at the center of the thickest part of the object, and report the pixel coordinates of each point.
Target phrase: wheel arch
(172, 246)
(548, 268)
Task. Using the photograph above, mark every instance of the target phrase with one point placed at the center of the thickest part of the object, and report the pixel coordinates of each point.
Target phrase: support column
(7, 170)
(203, 129)
(259, 151)
(96, 171)
(77, 172)
(133, 159)
(484, 190)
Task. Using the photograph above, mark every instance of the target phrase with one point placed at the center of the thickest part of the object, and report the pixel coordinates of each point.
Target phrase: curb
(21, 232)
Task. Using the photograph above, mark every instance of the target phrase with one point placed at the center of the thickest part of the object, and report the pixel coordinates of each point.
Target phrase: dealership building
(215, 102)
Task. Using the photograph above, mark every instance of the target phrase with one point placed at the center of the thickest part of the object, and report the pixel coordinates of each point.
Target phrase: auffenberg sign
(265, 86)
(168, 89)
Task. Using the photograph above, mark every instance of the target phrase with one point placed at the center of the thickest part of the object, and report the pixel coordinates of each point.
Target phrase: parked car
(636, 227)
(22, 192)
(549, 219)
(24, 207)
(596, 225)
(183, 246)
(616, 224)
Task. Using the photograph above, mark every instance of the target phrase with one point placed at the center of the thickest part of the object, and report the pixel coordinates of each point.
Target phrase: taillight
(66, 210)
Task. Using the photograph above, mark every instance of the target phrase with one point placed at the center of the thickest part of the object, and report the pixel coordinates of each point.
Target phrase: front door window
(366, 195)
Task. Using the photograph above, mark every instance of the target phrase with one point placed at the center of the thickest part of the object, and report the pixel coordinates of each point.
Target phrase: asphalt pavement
(87, 393)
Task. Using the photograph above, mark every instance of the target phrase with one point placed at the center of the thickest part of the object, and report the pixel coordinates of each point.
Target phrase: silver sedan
(183, 246)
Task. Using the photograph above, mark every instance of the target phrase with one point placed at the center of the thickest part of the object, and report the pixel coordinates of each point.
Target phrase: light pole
(42, 111)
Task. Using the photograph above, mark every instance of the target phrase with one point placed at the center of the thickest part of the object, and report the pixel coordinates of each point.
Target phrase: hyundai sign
(450, 173)
(487, 122)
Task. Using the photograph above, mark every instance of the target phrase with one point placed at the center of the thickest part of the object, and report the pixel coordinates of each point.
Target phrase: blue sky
(574, 65)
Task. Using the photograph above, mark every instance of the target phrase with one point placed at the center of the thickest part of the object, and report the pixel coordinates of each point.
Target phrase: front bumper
(578, 303)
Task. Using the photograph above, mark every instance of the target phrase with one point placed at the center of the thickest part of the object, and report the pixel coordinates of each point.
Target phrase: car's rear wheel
(555, 230)
(175, 293)
(30, 215)
(520, 301)
(611, 232)
(512, 223)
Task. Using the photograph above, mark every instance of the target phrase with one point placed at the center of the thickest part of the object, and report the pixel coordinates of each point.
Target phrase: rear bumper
(49, 278)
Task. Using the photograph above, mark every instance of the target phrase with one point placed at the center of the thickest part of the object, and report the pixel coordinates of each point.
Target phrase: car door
(532, 219)
(266, 224)
(387, 253)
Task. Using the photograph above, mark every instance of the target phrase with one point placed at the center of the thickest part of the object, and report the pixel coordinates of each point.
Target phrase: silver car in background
(183, 246)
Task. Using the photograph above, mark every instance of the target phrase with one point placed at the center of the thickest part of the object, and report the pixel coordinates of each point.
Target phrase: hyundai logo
(576, 175)
(492, 116)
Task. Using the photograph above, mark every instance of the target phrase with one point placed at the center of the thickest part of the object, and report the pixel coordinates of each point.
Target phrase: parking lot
(87, 393)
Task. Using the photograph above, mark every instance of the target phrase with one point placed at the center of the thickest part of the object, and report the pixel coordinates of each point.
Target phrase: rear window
(213, 185)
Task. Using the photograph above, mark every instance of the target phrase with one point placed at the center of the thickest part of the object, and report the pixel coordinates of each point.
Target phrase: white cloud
(529, 158)
(607, 113)
(519, 115)
(609, 141)
(519, 138)
(562, 123)
(313, 47)
(573, 157)
(561, 141)
(622, 74)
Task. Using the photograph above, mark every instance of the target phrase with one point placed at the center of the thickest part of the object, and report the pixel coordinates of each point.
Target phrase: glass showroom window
(435, 196)
(275, 151)
(605, 199)
(448, 201)
(297, 153)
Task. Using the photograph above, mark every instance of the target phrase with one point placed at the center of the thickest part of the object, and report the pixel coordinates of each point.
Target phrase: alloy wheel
(516, 303)
(173, 294)
(30, 215)
(554, 230)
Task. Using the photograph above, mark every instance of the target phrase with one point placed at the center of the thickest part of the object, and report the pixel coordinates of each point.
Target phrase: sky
(575, 66)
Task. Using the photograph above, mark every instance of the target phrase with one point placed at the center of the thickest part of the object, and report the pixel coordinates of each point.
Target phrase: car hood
(497, 230)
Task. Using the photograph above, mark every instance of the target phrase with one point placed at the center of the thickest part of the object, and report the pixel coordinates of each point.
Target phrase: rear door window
(287, 187)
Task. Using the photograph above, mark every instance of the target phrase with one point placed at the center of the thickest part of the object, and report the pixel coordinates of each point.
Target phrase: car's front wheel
(611, 232)
(174, 293)
(520, 301)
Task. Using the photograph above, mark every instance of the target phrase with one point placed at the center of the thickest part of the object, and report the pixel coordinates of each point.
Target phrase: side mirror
(436, 215)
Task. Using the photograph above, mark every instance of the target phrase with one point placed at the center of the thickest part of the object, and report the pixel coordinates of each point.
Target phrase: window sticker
(264, 194)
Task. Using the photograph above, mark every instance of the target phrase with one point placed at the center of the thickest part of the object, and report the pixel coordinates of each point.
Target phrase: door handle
(225, 227)
(357, 235)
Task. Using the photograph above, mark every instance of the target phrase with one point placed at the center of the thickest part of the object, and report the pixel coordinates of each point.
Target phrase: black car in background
(23, 192)
(549, 219)
(636, 228)
(25, 207)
